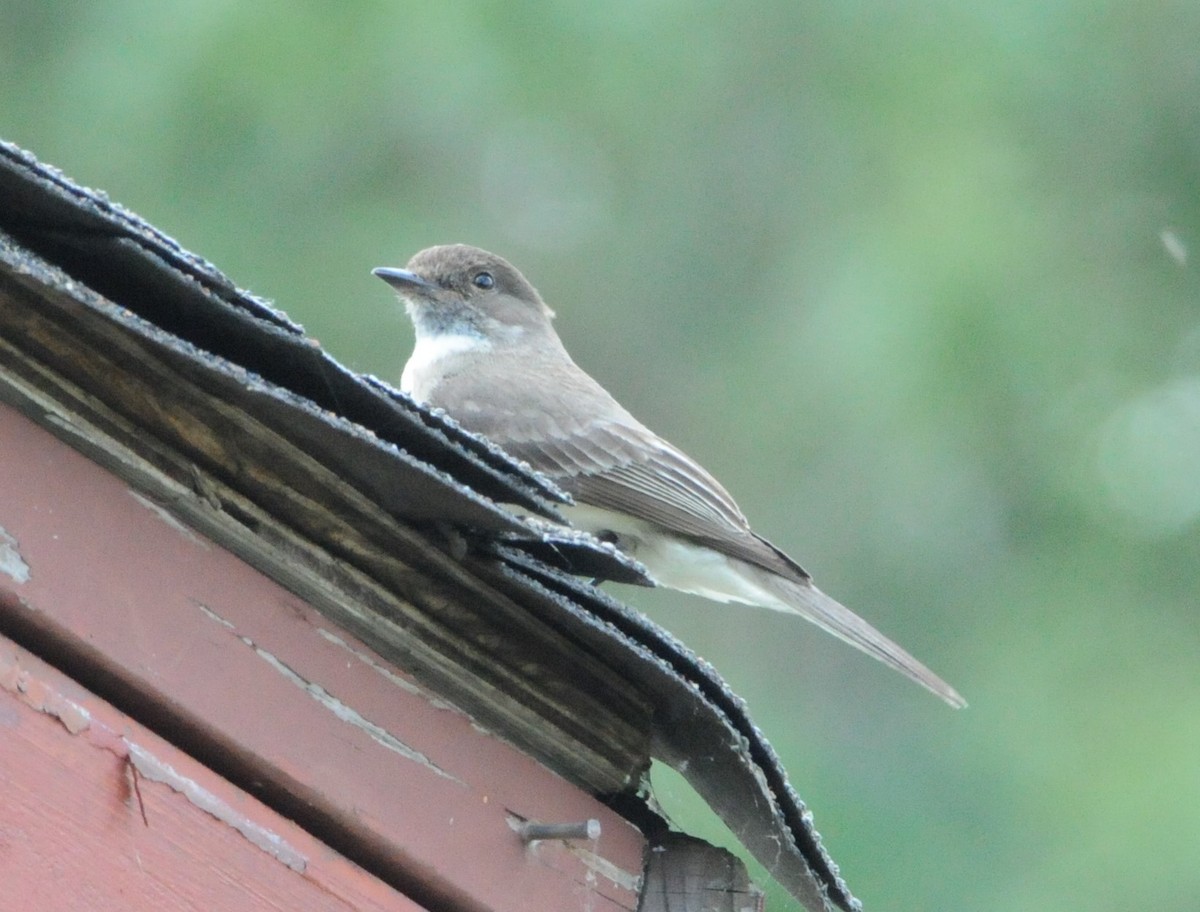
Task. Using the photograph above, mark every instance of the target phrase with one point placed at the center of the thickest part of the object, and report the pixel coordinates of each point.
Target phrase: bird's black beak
(401, 279)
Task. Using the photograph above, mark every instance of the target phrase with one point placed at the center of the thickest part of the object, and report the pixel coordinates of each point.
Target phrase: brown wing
(575, 432)
(622, 466)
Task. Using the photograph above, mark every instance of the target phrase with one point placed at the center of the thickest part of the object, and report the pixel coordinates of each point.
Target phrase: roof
(432, 565)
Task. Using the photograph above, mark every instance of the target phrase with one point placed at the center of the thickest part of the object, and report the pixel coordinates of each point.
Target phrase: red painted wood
(75, 832)
(314, 709)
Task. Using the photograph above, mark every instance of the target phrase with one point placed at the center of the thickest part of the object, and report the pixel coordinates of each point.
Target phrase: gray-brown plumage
(487, 353)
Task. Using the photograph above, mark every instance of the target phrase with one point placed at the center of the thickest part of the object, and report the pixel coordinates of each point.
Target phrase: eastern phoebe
(487, 354)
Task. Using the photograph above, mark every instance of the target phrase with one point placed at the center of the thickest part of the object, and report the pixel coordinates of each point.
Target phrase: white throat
(431, 349)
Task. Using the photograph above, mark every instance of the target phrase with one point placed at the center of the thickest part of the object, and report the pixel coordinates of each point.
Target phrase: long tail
(814, 605)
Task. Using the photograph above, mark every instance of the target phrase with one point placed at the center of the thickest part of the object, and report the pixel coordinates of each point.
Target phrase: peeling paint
(35, 694)
(11, 563)
(40, 696)
(349, 715)
(339, 709)
(156, 770)
(76, 719)
(403, 683)
(169, 518)
(213, 616)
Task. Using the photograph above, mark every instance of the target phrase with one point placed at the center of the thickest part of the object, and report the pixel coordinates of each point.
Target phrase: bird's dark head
(459, 289)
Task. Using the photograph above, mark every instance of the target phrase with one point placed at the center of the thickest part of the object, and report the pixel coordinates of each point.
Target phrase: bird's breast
(433, 357)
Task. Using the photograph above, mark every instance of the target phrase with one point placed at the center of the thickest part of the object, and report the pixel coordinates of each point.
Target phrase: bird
(487, 354)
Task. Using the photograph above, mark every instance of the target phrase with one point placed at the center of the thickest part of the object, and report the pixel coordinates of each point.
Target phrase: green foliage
(912, 279)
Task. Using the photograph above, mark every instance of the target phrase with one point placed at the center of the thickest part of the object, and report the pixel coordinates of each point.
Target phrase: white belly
(676, 563)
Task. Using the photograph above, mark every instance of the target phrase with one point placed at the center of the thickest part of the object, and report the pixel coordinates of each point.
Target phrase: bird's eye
(483, 280)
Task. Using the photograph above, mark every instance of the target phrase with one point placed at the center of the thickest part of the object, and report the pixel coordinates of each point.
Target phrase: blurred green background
(912, 280)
